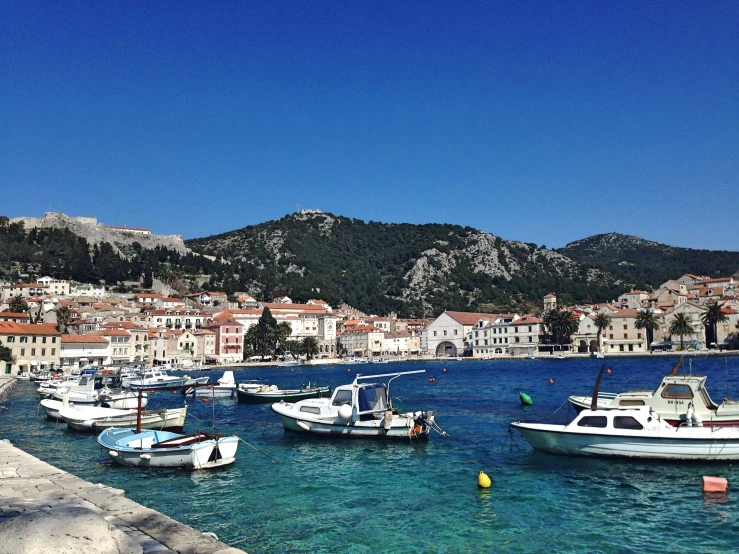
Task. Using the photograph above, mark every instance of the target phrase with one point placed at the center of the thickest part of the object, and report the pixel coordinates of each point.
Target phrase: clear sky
(537, 121)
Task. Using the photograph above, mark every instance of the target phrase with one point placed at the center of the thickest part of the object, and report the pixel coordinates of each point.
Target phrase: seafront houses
(363, 341)
(24, 290)
(229, 339)
(664, 340)
(32, 347)
(120, 345)
(447, 333)
(178, 317)
(622, 334)
(400, 343)
(206, 346)
(78, 351)
(526, 335)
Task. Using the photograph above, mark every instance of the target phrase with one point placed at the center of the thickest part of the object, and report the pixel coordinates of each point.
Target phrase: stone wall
(96, 233)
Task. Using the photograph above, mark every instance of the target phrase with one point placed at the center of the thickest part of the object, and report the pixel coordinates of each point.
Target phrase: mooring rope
(255, 448)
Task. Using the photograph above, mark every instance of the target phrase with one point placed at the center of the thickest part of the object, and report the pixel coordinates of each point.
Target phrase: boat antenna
(677, 365)
(594, 401)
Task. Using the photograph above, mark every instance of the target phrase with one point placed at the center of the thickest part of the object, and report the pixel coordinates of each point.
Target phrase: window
(43, 351)
(43, 340)
(342, 397)
(677, 391)
(631, 348)
(33, 351)
(434, 333)
(445, 332)
(610, 327)
(593, 421)
(12, 339)
(455, 332)
(625, 327)
(638, 335)
(33, 339)
(53, 340)
(626, 336)
(631, 403)
(22, 339)
(23, 351)
(610, 336)
(621, 347)
(531, 339)
(627, 422)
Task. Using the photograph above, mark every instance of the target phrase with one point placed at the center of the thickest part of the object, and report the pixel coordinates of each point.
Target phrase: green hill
(648, 264)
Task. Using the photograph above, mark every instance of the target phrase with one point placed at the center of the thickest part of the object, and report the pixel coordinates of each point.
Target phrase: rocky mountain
(414, 270)
(646, 263)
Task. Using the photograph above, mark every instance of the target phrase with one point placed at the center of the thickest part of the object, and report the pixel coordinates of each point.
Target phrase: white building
(84, 350)
(447, 334)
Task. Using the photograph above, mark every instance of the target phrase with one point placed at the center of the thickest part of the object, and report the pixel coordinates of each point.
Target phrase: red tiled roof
(12, 328)
(16, 315)
(470, 318)
(76, 339)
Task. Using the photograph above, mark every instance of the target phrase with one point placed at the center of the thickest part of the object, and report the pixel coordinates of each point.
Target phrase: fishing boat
(93, 418)
(225, 387)
(169, 450)
(156, 379)
(87, 392)
(678, 399)
(51, 407)
(357, 410)
(268, 394)
(631, 432)
(378, 361)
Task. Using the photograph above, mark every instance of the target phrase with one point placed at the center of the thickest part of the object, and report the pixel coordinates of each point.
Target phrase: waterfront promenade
(48, 497)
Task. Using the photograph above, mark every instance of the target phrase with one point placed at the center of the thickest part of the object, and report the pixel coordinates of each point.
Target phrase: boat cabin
(615, 420)
(365, 400)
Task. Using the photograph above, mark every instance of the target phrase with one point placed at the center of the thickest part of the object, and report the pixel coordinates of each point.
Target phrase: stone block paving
(28, 484)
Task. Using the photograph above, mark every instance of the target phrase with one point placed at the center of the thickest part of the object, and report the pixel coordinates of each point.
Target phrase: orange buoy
(715, 484)
(608, 371)
(431, 379)
(551, 380)
(348, 369)
(292, 370)
(206, 400)
(174, 392)
(152, 391)
(444, 370)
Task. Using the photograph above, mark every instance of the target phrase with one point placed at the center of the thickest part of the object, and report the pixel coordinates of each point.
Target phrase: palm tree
(711, 318)
(602, 320)
(309, 347)
(560, 323)
(62, 318)
(681, 325)
(645, 319)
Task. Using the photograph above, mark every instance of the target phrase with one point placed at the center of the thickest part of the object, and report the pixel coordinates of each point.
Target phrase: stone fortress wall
(96, 233)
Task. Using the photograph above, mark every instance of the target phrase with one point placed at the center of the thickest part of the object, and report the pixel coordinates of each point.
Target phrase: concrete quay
(69, 514)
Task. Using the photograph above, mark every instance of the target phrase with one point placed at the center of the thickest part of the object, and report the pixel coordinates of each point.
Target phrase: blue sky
(535, 121)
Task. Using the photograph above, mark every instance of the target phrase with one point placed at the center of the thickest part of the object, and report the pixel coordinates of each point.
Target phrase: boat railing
(608, 395)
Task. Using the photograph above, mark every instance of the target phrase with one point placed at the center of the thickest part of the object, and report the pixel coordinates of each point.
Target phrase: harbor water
(369, 496)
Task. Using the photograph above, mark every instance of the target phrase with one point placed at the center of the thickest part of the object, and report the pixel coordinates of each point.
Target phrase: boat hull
(270, 397)
(169, 420)
(403, 426)
(207, 454)
(704, 444)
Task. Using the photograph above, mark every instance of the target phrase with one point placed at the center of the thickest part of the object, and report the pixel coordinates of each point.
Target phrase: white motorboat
(169, 450)
(378, 361)
(154, 379)
(288, 361)
(678, 399)
(87, 392)
(93, 418)
(357, 410)
(636, 432)
(225, 387)
(196, 380)
(268, 394)
(631, 432)
(51, 407)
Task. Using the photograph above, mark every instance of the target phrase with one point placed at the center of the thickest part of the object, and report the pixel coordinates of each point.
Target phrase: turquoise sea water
(364, 496)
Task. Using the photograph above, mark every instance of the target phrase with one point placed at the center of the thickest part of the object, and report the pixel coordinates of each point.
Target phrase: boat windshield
(372, 398)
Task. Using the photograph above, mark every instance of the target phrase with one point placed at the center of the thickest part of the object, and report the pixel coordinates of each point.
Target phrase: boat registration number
(676, 401)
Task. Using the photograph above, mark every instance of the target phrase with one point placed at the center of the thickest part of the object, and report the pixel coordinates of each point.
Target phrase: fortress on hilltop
(95, 232)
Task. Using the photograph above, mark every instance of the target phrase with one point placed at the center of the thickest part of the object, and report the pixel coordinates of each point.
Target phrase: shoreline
(31, 489)
(541, 356)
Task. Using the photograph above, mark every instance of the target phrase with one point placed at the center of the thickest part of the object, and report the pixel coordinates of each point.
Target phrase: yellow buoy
(483, 480)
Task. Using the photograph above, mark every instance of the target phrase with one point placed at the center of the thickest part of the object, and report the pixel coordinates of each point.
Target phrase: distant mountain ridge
(415, 270)
(647, 263)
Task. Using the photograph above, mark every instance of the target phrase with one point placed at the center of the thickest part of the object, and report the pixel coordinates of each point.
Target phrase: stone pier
(41, 507)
